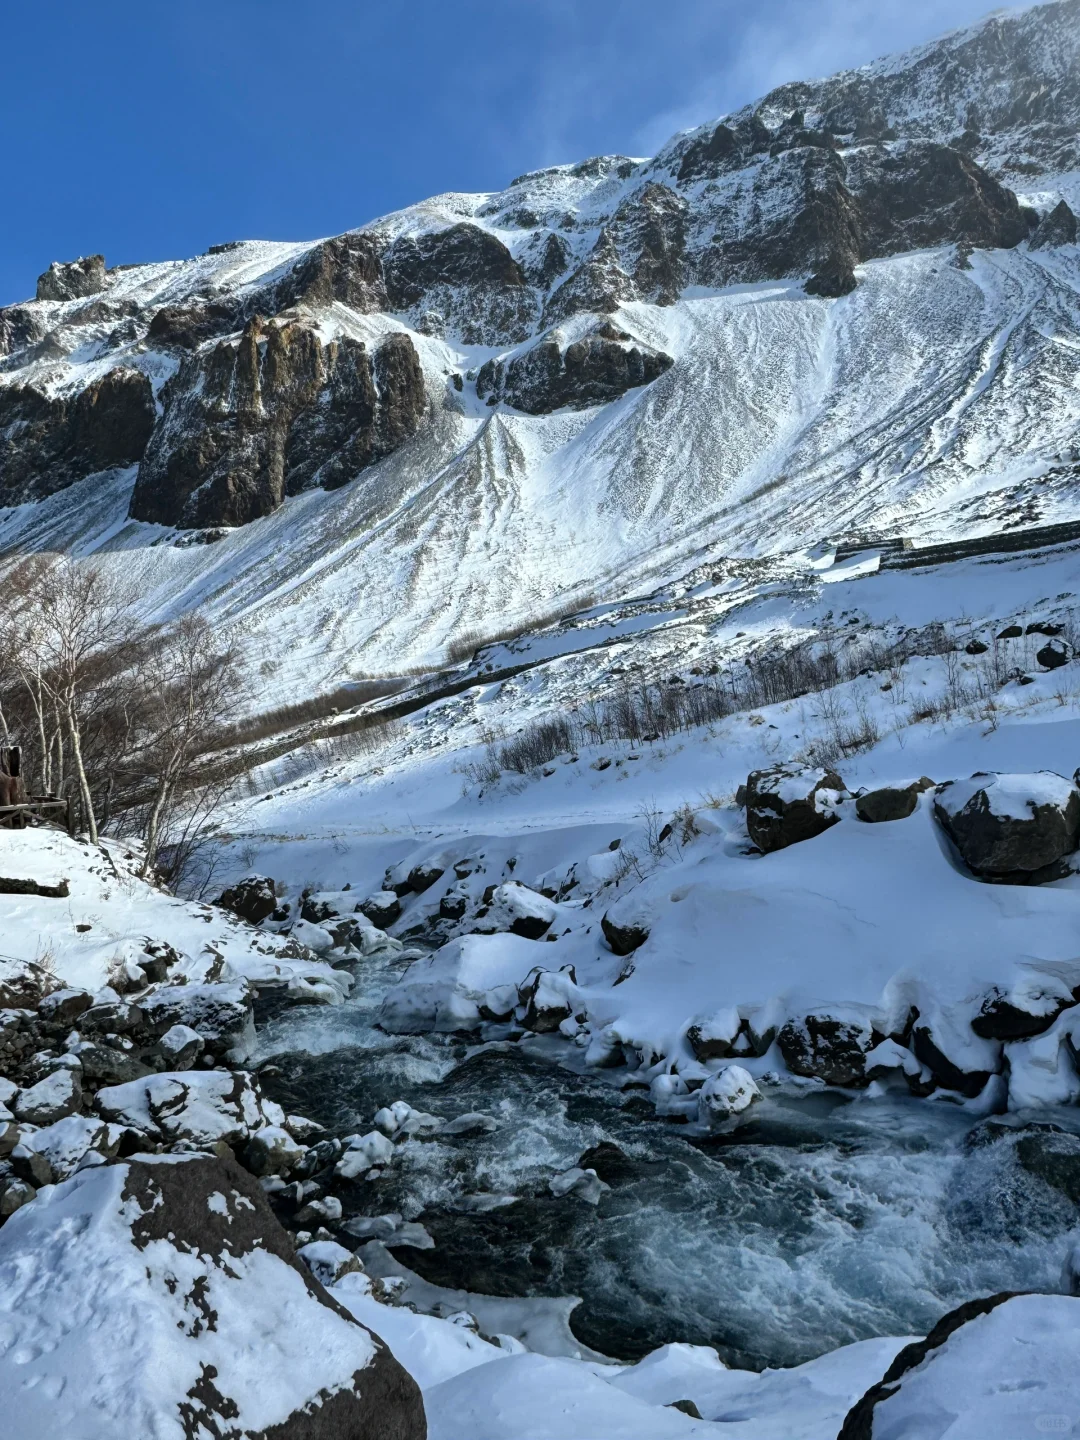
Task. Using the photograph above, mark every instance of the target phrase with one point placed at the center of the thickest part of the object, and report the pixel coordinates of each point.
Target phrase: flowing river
(820, 1220)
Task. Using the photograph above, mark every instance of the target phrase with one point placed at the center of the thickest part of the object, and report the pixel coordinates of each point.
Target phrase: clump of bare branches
(115, 711)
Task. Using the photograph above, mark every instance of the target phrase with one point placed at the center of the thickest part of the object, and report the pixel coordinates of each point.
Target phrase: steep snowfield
(927, 403)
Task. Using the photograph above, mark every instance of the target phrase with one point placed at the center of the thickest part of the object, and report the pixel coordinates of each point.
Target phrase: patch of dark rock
(72, 279)
(891, 802)
(248, 421)
(48, 441)
(1000, 1019)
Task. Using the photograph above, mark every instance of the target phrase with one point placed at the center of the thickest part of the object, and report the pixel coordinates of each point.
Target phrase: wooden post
(70, 814)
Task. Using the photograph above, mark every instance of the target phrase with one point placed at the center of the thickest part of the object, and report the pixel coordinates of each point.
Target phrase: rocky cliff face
(246, 422)
(278, 368)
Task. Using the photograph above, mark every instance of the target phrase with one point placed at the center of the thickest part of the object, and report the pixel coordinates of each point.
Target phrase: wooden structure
(16, 805)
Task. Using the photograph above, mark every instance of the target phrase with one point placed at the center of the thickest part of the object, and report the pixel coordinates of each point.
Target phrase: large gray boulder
(826, 1047)
(1013, 829)
(785, 805)
(1001, 1366)
(175, 1307)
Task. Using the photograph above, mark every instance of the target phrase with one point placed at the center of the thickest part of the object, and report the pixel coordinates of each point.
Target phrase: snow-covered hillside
(514, 458)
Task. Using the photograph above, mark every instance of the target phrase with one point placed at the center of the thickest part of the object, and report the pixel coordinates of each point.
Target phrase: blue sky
(151, 130)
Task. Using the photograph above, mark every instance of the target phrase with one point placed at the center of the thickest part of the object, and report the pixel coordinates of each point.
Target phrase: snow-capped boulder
(180, 1047)
(59, 1094)
(785, 805)
(1002, 1366)
(199, 1107)
(1015, 829)
(63, 1007)
(625, 925)
(254, 898)
(221, 1013)
(175, 1307)
(1027, 1008)
(421, 877)
(828, 1047)
(549, 997)
(515, 908)
(891, 802)
(716, 1037)
(272, 1151)
(382, 908)
(1053, 656)
(42, 1157)
(725, 1094)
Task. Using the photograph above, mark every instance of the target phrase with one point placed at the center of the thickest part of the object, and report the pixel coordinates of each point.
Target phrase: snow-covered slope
(515, 458)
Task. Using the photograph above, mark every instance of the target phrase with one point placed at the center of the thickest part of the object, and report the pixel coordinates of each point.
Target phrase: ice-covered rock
(549, 997)
(996, 1368)
(175, 1306)
(725, 1094)
(583, 1185)
(1016, 829)
(328, 1261)
(785, 805)
(364, 1153)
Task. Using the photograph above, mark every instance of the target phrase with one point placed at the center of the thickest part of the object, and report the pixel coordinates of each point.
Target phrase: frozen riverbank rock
(1013, 829)
(785, 805)
(1002, 1366)
(175, 1307)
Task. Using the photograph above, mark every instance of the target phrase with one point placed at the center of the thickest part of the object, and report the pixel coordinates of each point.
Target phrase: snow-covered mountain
(850, 306)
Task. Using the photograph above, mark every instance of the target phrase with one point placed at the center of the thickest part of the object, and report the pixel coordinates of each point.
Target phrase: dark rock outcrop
(785, 805)
(467, 275)
(919, 194)
(1058, 227)
(72, 279)
(272, 413)
(49, 441)
(1014, 829)
(187, 326)
(594, 370)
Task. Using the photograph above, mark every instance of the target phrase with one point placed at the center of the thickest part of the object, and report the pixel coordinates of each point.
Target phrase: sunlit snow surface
(922, 404)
